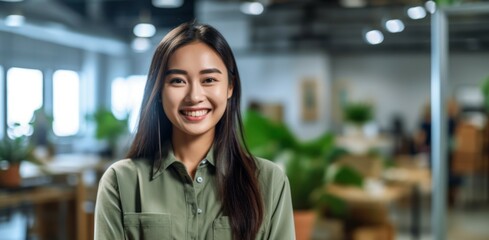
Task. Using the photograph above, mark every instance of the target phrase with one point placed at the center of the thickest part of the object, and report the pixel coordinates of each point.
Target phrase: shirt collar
(168, 158)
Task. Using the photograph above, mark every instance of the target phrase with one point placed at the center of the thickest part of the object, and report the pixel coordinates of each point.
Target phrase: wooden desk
(356, 195)
(35, 196)
(368, 213)
(64, 181)
(409, 177)
(417, 181)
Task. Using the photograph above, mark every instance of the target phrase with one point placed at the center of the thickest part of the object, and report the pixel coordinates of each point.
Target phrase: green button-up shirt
(139, 199)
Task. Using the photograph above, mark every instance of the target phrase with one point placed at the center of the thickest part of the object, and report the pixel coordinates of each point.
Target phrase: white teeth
(195, 113)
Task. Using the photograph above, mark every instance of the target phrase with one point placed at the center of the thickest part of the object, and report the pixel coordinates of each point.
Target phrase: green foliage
(332, 204)
(108, 126)
(446, 2)
(305, 175)
(358, 113)
(485, 92)
(305, 162)
(16, 150)
(266, 138)
(348, 176)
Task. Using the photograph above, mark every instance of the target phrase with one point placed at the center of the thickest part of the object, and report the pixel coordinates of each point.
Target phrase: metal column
(439, 57)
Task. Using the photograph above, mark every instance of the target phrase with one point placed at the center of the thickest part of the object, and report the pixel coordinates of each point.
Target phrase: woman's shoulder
(270, 171)
(128, 164)
(124, 168)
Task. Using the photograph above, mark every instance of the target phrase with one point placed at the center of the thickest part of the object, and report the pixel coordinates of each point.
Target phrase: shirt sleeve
(108, 212)
(281, 224)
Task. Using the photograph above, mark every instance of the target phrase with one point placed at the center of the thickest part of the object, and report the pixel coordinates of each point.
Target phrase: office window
(66, 103)
(118, 98)
(24, 96)
(127, 95)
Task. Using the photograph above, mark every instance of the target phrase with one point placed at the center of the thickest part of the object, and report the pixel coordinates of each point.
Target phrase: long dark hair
(237, 171)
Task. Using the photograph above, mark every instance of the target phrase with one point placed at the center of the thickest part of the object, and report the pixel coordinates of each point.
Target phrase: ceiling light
(430, 6)
(253, 8)
(417, 12)
(167, 3)
(394, 25)
(353, 3)
(14, 20)
(374, 37)
(140, 44)
(144, 30)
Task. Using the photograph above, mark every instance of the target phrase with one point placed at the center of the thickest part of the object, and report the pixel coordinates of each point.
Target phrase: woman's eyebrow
(175, 71)
(210, 70)
(183, 72)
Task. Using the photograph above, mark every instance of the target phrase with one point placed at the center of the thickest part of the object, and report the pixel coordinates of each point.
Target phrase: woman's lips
(194, 115)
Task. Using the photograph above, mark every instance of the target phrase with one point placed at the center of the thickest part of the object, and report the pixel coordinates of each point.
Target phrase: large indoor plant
(305, 164)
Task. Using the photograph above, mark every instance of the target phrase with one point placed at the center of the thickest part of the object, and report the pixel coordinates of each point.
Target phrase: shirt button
(199, 211)
(200, 179)
(203, 162)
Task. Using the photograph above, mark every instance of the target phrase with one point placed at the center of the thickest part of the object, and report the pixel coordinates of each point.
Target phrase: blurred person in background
(423, 141)
(189, 174)
(403, 142)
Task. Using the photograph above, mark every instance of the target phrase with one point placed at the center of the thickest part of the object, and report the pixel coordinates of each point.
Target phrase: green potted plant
(12, 152)
(305, 164)
(358, 113)
(109, 128)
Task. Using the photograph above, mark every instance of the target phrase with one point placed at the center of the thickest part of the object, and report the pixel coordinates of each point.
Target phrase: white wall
(400, 83)
(276, 78)
(392, 83)
(468, 68)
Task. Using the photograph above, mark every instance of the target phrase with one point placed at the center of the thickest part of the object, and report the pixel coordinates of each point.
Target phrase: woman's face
(195, 89)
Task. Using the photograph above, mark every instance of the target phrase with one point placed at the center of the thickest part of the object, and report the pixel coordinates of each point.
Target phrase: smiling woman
(188, 174)
(195, 91)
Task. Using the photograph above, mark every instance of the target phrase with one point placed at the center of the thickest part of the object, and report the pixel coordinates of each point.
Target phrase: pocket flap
(147, 219)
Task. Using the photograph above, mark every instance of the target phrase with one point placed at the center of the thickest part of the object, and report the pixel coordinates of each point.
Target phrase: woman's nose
(195, 93)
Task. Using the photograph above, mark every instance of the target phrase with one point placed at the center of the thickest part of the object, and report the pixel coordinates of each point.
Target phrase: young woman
(189, 174)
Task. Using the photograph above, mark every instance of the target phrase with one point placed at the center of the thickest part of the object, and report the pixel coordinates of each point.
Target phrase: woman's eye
(176, 81)
(209, 80)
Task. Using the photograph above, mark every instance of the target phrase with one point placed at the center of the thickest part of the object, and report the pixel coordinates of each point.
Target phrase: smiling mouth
(198, 113)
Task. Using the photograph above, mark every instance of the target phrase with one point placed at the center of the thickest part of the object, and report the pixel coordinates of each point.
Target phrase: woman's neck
(190, 150)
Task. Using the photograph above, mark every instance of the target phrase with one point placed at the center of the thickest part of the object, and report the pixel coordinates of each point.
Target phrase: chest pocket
(147, 226)
(222, 229)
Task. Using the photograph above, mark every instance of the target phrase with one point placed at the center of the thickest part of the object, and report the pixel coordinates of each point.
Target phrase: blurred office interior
(337, 92)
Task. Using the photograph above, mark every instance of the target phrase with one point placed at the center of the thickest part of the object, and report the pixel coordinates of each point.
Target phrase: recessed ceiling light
(430, 6)
(417, 12)
(394, 25)
(144, 30)
(353, 3)
(252, 8)
(374, 37)
(167, 3)
(14, 20)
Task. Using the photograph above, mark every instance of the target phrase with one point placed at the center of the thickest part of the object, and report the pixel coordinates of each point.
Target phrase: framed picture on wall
(309, 99)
